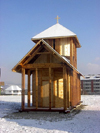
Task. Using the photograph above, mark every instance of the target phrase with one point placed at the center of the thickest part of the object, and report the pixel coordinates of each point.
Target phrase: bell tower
(64, 41)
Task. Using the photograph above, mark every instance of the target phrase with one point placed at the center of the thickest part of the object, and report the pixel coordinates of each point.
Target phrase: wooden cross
(57, 18)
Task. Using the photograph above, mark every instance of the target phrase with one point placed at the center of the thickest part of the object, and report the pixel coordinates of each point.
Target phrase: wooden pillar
(75, 57)
(68, 89)
(71, 87)
(57, 89)
(64, 87)
(36, 88)
(71, 51)
(33, 88)
(28, 88)
(79, 88)
(41, 89)
(23, 88)
(53, 89)
(49, 87)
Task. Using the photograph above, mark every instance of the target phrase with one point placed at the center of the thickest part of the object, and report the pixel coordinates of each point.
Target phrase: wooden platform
(28, 109)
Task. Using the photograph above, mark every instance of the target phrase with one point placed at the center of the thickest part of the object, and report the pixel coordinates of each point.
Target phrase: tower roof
(55, 31)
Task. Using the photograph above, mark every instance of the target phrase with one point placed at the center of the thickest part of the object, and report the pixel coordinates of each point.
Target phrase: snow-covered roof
(13, 87)
(56, 30)
(91, 77)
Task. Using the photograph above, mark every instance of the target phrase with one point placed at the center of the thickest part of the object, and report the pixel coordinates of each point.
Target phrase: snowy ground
(85, 121)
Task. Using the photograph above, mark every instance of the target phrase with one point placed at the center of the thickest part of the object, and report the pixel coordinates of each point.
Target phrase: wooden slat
(41, 88)
(42, 65)
(58, 89)
(79, 87)
(23, 88)
(53, 89)
(36, 88)
(64, 87)
(28, 88)
(71, 88)
(49, 87)
(71, 51)
(33, 88)
(76, 57)
(68, 88)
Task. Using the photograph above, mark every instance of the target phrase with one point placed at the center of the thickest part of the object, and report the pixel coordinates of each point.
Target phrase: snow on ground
(84, 121)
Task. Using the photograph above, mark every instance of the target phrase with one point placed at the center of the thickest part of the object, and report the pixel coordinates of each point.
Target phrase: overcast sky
(22, 19)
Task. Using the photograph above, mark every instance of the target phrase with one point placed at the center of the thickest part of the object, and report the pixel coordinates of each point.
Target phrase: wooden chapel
(52, 65)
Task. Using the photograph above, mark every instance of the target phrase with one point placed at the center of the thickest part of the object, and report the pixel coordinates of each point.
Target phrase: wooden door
(45, 85)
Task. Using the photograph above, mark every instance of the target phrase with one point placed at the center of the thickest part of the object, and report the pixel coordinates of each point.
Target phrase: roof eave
(52, 37)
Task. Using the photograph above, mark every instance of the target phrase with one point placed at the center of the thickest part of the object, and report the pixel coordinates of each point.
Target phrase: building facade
(90, 84)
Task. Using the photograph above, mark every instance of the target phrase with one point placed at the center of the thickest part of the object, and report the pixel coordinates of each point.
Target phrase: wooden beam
(65, 87)
(30, 57)
(49, 87)
(28, 88)
(23, 88)
(36, 88)
(43, 53)
(42, 65)
(33, 88)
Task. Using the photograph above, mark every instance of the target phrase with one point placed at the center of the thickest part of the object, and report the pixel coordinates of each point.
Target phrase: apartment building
(90, 84)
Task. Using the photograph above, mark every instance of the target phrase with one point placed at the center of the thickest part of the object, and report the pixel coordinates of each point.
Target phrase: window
(53, 43)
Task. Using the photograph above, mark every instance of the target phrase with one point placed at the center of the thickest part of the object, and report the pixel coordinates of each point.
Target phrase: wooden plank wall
(56, 84)
(72, 85)
(75, 90)
(58, 88)
(61, 45)
(43, 75)
(73, 53)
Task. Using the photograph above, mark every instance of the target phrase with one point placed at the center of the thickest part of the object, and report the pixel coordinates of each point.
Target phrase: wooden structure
(52, 62)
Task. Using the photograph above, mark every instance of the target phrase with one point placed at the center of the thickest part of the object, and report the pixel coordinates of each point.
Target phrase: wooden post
(71, 87)
(33, 88)
(58, 89)
(28, 88)
(71, 51)
(79, 87)
(36, 88)
(41, 88)
(49, 87)
(75, 57)
(53, 89)
(64, 87)
(23, 88)
(68, 89)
